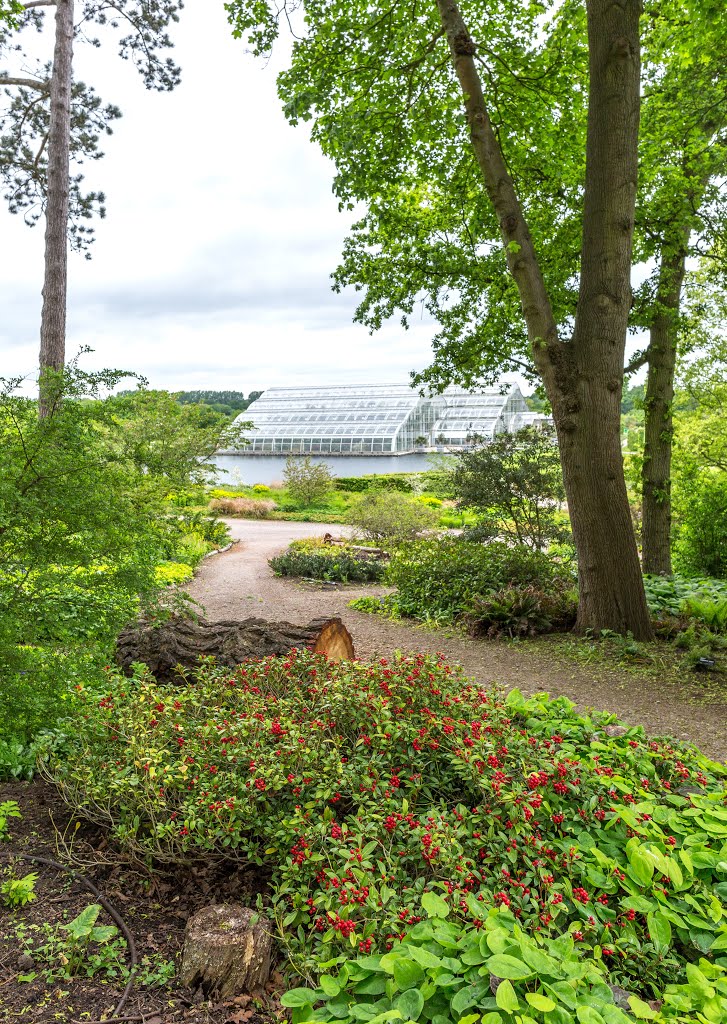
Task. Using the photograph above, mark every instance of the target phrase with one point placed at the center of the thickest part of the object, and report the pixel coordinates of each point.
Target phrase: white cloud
(212, 268)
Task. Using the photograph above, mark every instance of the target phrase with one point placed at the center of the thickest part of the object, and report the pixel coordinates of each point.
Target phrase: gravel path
(239, 583)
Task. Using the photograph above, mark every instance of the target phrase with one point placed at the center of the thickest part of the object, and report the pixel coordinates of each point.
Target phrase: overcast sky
(212, 267)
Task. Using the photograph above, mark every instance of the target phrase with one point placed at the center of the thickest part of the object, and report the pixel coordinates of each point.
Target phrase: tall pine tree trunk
(583, 377)
(658, 424)
(55, 284)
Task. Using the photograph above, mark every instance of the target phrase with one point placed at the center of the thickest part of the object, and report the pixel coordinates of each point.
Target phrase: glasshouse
(483, 414)
(375, 419)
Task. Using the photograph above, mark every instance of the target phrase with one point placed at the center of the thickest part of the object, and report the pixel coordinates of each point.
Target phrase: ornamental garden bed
(427, 838)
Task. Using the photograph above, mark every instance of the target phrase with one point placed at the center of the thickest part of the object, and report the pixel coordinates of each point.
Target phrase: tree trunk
(55, 285)
(180, 643)
(610, 582)
(583, 377)
(227, 951)
(658, 425)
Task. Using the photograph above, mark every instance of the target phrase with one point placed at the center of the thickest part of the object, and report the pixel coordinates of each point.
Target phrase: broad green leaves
(434, 905)
(426, 983)
(505, 966)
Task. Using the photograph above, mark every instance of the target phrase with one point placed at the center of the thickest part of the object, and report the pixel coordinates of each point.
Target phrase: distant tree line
(229, 403)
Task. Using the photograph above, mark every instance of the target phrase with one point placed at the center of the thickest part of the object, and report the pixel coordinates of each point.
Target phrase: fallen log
(375, 554)
(180, 642)
(226, 951)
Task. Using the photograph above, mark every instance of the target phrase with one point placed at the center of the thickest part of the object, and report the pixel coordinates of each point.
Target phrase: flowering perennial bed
(386, 794)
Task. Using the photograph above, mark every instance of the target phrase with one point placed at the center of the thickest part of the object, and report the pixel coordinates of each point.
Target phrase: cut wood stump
(181, 642)
(226, 951)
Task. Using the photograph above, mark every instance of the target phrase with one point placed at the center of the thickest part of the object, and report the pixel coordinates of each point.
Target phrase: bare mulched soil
(154, 906)
(240, 583)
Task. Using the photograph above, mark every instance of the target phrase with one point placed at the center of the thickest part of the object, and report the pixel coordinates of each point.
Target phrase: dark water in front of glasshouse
(268, 469)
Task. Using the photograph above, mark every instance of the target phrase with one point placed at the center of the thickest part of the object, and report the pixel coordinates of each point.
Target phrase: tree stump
(182, 642)
(226, 951)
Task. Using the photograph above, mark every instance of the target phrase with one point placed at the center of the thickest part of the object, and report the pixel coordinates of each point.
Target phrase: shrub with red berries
(366, 787)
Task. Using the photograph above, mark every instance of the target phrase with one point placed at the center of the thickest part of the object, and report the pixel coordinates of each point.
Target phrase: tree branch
(26, 83)
(547, 348)
(639, 360)
(40, 3)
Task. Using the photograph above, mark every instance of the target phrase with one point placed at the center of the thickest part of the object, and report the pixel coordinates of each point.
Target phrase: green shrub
(17, 892)
(523, 611)
(260, 489)
(93, 498)
(438, 482)
(200, 524)
(8, 809)
(81, 603)
(187, 498)
(712, 613)
(429, 500)
(17, 761)
(481, 532)
(371, 791)
(403, 482)
(191, 549)
(221, 492)
(245, 508)
(515, 483)
(307, 482)
(438, 579)
(700, 513)
(173, 573)
(447, 974)
(319, 561)
(42, 688)
(376, 605)
(390, 517)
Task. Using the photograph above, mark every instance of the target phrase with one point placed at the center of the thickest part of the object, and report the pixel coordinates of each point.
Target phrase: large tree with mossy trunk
(401, 98)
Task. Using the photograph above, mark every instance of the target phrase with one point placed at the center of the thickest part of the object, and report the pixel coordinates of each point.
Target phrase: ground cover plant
(495, 973)
(378, 792)
(312, 558)
(678, 594)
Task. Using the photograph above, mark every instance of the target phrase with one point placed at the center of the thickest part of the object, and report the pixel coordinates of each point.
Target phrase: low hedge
(384, 482)
(380, 795)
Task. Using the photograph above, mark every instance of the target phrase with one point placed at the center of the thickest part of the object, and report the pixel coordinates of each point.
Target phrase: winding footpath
(239, 583)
